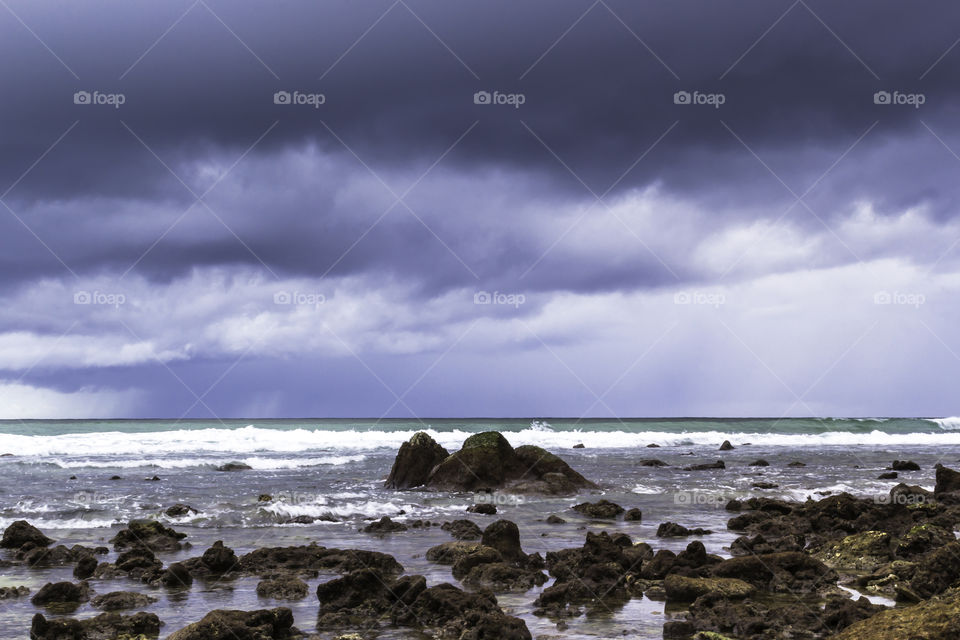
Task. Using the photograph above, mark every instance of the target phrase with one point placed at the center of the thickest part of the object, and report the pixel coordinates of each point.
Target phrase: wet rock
(633, 515)
(726, 446)
(234, 466)
(22, 532)
(54, 593)
(106, 626)
(733, 505)
(890, 475)
(463, 529)
(934, 573)
(152, 479)
(218, 558)
(706, 466)
(116, 478)
(504, 536)
(179, 510)
(659, 566)
(117, 600)
(150, 534)
(683, 589)
(487, 461)
(948, 480)
(363, 596)
(7, 593)
(383, 526)
(283, 588)
(459, 614)
(922, 539)
(450, 552)
(695, 556)
(501, 576)
(653, 446)
(85, 567)
(760, 544)
(223, 624)
(601, 509)
(779, 572)
(764, 485)
(176, 576)
(904, 465)
(136, 564)
(652, 462)
(264, 497)
(935, 619)
(674, 530)
(416, 458)
(485, 509)
(759, 463)
(904, 494)
(60, 555)
(797, 464)
(312, 558)
(579, 445)
(555, 519)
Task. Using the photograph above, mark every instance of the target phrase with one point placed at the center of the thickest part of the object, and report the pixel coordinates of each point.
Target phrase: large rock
(361, 597)
(683, 589)
(414, 462)
(601, 509)
(283, 588)
(790, 572)
(463, 529)
(56, 593)
(224, 624)
(504, 536)
(116, 600)
(150, 534)
(948, 480)
(22, 532)
(106, 626)
(312, 558)
(455, 613)
(219, 558)
(935, 619)
(861, 551)
(487, 462)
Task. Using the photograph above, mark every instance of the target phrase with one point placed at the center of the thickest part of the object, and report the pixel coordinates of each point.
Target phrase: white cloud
(21, 401)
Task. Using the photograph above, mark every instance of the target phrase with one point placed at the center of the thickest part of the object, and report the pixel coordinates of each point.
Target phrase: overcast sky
(427, 208)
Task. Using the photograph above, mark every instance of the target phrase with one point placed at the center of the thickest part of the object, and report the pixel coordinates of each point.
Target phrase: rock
(416, 458)
(797, 464)
(463, 529)
(904, 494)
(484, 508)
(759, 463)
(501, 576)
(450, 552)
(947, 480)
(672, 529)
(116, 478)
(152, 479)
(219, 559)
(934, 573)
(905, 465)
(85, 567)
(179, 510)
(935, 619)
(601, 509)
(150, 534)
(706, 467)
(860, 551)
(283, 588)
(234, 466)
(106, 626)
(922, 539)
(54, 593)
(726, 446)
(683, 589)
(760, 544)
(733, 505)
(555, 519)
(764, 485)
(116, 600)
(312, 558)
(487, 461)
(892, 475)
(779, 572)
(652, 462)
(264, 497)
(383, 526)
(633, 515)
(579, 445)
(7, 593)
(176, 576)
(504, 536)
(361, 597)
(460, 614)
(22, 532)
(653, 446)
(223, 624)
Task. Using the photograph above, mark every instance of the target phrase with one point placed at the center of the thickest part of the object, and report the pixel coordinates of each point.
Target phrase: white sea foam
(948, 424)
(72, 523)
(252, 440)
(259, 463)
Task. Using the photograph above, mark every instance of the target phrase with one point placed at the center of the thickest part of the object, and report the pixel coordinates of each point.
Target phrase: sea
(80, 480)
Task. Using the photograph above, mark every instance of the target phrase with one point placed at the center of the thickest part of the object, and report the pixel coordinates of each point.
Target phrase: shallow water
(342, 478)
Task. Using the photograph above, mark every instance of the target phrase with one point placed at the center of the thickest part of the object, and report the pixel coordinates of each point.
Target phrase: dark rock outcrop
(601, 509)
(463, 529)
(106, 626)
(225, 624)
(283, 587)
(674, 530)
(384, 526)
(948, 480)
(117, 600)
(22, 532)
(179, 510)
(54, 593)
(149, 534)
(414, 462)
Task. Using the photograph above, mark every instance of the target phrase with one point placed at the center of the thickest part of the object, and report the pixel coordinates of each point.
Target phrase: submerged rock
(234, 466)
(416, 458)
(674, 530)
(6, 593)
(311, 558)
(224, 624)
(719, 464)
(726, 446)
(283, 588)
(116, 600)
(904, 465)
(601, 509)
(484, 509)
(463, 529)
(683, 589)
(54, 593)
(179, 510)
(383, 526)
(150, 534)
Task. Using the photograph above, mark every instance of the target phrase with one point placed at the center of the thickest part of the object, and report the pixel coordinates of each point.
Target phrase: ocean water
(57, 475)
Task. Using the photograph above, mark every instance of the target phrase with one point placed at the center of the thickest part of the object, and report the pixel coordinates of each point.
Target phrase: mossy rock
(861, 551)
(683, 589)
(935, 619)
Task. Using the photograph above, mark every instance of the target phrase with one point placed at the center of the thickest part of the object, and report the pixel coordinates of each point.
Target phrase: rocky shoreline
(795, 570)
